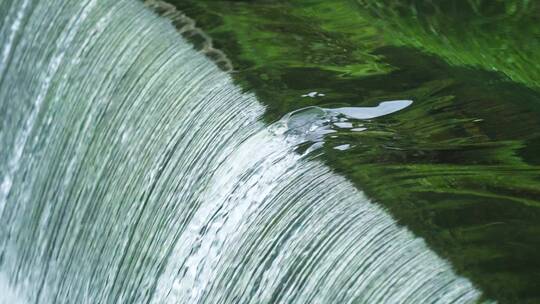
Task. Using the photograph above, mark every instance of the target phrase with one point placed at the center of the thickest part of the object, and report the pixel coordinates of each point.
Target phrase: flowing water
(460, 166)
(133, 170)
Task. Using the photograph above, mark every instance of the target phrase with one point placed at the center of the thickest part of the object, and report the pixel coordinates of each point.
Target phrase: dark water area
(460, 166)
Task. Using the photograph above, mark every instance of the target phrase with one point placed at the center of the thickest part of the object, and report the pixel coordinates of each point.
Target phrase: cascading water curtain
(133, 170)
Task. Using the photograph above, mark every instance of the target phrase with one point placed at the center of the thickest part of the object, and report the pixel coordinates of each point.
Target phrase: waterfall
(133, 170)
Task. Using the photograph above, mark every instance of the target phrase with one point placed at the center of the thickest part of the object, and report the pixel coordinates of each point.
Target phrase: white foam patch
(7, 293)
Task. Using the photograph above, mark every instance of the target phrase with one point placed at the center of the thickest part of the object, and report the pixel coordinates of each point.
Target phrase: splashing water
(134, 171)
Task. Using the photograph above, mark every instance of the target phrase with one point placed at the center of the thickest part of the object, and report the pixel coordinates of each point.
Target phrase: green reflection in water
(460, 167)
(497, 35)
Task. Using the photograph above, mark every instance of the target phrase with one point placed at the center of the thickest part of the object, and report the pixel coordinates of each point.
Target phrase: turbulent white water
(132, 170)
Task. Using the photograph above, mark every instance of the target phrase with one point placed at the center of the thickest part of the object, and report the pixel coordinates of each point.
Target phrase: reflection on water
(311, 124)
(384, 108)
(460, 167)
